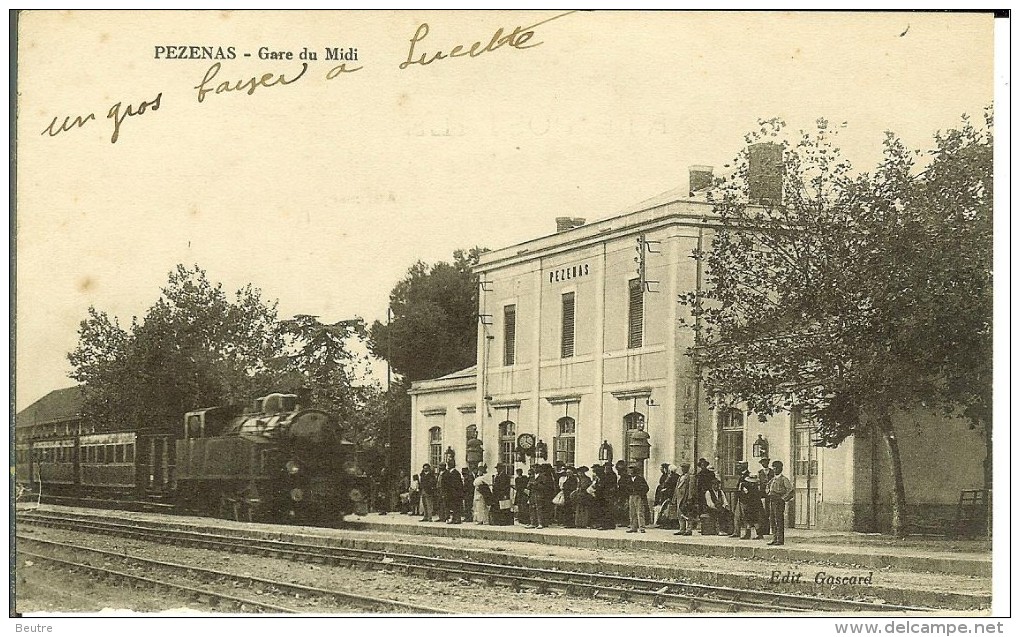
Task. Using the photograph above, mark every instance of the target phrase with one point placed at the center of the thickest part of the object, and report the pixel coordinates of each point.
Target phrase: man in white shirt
(779, 492)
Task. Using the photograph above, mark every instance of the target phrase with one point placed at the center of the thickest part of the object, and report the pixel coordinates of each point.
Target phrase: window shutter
(509, 333)
(636, 314)
(567, 339)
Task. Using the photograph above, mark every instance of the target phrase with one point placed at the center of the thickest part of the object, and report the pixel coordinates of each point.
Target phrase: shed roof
(57, 406)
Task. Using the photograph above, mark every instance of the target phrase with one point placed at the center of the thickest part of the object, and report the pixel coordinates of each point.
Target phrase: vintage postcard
(507, 313)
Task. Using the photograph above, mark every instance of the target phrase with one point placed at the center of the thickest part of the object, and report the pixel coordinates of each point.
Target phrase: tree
(433, 324)
(193, 348)
(321, 361)
(431, 332)
(98, 363)
(847, 297)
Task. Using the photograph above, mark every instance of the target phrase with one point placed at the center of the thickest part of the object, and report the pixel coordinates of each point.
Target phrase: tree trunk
(899, 504)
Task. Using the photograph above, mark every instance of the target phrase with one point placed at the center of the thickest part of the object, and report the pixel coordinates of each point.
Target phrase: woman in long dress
(483, 493)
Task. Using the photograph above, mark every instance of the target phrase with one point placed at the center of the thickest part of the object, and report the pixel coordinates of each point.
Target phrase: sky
(322, 192)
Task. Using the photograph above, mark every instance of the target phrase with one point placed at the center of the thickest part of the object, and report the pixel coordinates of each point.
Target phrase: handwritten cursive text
(118, 117)
(68, 124)
(248, 86)
(517, 39)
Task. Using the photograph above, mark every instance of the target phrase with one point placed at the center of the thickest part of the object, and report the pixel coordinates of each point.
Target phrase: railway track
(212, 596)
(683, 596)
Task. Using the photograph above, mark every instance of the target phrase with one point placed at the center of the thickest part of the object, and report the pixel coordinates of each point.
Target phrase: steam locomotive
(278, 461)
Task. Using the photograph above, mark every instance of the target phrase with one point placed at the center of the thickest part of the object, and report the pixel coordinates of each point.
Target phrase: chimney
(701, 178)
(568, 223)
(765, 173)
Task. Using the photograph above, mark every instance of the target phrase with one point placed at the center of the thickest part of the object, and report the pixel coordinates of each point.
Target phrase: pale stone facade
(626, 364)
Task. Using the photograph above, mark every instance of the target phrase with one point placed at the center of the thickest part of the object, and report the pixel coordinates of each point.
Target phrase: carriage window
(118, 453)
(129, 452)
(109, 454)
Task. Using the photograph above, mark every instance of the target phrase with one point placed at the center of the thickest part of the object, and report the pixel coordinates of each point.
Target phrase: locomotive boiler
(280, 461)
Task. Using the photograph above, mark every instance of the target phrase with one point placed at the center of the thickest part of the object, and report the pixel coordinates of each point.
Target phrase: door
(804, 475)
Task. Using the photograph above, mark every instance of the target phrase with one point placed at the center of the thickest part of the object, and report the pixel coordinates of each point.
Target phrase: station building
(574, 352)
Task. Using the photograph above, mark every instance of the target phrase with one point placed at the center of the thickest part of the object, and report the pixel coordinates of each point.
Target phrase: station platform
(867, 551)
(920, 572)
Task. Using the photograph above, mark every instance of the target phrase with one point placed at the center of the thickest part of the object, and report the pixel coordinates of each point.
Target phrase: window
(509, 334)
(567, 335)
(129, 452)
(563, 445)
(731, 441)
(805, 461)
(635, 313)
(507, 431)
(435, 446)
(633, 420)
(471, 432)
(118, 451)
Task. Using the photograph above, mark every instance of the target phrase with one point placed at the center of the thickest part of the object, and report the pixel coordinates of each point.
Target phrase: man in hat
(635, 487)
(453, 493)
(501, 513)
(740, 505)
(684, 499)
(521, 497)
(429, 489)
(779, 492)
(704, 480)
(752, 512)
(765, 476)
(621, 503)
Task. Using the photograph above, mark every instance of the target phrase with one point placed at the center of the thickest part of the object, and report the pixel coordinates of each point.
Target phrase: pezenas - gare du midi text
(194, 52)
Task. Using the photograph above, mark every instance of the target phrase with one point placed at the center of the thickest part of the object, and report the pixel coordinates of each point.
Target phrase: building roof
(460, 379)
(57, 406)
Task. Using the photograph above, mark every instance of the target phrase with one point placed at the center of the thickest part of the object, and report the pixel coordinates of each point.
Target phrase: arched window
(731, 441)
(471, 432)
(435, 446)
(633, 420)
(507, 432)
(563, 444)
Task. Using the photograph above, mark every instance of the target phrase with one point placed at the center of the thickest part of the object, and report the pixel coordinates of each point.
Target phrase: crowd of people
(605, 497)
